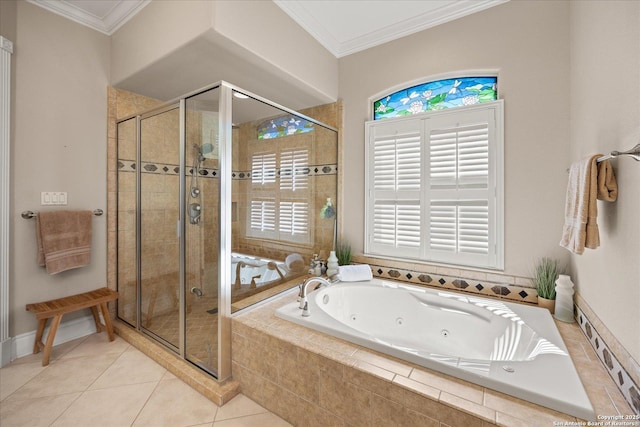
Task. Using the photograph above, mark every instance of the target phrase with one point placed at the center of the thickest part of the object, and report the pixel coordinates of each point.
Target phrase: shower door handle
(178, 229)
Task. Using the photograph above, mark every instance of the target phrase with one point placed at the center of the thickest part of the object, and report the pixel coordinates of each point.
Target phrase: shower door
(127, 258)
(159, 248)
(202, 229)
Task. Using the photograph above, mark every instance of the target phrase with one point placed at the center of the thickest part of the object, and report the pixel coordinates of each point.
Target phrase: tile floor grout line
(19, 388)
(146, 401)
(105, 370)
(68, 406)
(121, 385)
(86, 360)
(248, 416)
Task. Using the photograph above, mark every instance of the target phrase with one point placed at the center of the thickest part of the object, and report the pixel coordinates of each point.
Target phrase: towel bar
(31, 214)
(634, 153)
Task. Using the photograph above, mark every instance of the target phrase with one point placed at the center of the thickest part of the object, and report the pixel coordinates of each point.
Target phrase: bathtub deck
(321, 380)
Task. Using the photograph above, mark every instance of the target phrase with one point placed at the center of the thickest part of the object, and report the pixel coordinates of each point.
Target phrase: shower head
(206, 151)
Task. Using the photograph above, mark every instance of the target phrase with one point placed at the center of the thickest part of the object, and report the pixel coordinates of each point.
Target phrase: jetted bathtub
(247, 268)
(512, 348)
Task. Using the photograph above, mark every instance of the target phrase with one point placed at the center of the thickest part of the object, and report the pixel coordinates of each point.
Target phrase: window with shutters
(279, 195)
(434, 186)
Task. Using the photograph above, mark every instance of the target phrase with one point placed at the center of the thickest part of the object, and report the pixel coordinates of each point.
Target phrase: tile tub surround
(320, 380)
(623, 380)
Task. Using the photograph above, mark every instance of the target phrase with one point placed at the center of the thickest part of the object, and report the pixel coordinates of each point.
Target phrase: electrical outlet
(53, 198)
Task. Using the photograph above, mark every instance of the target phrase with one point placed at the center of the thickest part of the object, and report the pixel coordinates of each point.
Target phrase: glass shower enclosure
(219, 199)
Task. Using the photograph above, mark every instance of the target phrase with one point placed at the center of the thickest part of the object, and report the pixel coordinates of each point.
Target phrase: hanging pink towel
(63, 239)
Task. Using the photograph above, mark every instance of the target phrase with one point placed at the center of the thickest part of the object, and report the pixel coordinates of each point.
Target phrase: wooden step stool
(58, 307)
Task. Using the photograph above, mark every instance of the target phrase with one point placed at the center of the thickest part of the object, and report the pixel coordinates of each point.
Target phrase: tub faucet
(304, 304)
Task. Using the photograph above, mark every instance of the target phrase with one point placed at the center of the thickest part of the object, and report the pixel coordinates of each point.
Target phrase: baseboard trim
(22, 345)
(5, 352)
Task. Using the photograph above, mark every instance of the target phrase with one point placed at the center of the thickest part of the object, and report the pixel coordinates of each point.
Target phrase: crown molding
(448, 12)
(6, 44)
(119, 14)
(303, 16)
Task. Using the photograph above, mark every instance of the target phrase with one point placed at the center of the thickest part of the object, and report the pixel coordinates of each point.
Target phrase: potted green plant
(343, 253)
(545, 273)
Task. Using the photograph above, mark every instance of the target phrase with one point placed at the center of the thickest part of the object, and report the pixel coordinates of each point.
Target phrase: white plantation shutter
(395, 172)
(461, 211)
(294, 170)
(263, 217)
(397, 224)
(279, 196)
(459, 155)
(294, 221)
(440, 198)
(263, 168)
(459, 227)
(293, 212)
(396, 161)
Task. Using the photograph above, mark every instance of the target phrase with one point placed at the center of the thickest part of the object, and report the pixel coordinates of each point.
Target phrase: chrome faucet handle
(321, 282)
(301, 296)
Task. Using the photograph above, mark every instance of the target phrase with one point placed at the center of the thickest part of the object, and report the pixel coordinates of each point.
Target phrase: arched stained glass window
(436, 95)
(283, 126)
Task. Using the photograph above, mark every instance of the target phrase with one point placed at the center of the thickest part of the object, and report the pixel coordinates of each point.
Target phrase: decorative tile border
(458, 282)
(125, 165)
(623, 380)
(313, 170)
(147, 167)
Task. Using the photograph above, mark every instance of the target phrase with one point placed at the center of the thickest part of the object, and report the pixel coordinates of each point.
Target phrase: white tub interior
(512, 348)
(259, 270)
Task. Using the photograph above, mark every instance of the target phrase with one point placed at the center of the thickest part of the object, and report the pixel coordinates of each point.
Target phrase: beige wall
(59, 145)
(605, 107)
(157, 30)
(527, 42)
(174, 47)
(267, 32)
(7, 19)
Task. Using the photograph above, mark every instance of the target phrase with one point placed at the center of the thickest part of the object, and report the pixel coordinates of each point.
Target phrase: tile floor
(93, 382)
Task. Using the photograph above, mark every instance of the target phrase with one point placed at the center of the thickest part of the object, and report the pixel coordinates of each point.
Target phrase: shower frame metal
(225, 244)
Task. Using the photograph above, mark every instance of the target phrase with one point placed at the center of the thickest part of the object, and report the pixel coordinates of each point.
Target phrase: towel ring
(32, 214)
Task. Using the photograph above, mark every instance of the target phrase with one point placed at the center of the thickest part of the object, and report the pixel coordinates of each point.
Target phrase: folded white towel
(581, 212)
(355, 273)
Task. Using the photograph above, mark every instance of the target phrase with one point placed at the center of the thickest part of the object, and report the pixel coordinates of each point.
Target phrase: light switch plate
(53, 198)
